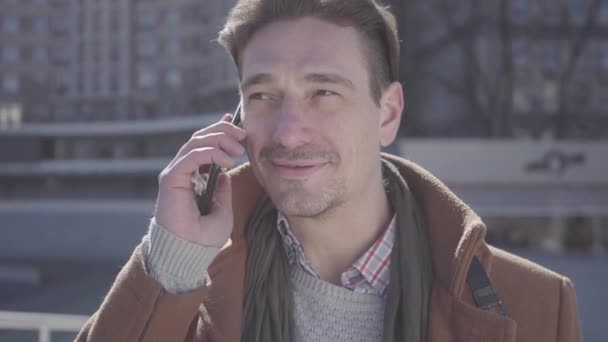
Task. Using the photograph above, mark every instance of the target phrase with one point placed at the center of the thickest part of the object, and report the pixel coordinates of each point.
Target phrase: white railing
(43, 323)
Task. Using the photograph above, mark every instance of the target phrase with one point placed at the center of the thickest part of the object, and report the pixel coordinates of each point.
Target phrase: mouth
(296, 168)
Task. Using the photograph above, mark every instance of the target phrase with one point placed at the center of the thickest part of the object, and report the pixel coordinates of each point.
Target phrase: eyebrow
(256, 79)
(329, 78)
(326, 78)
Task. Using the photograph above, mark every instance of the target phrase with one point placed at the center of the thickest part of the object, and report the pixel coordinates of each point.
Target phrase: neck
(335, 240)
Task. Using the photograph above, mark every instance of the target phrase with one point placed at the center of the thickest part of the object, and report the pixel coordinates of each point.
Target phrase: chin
(304, 202)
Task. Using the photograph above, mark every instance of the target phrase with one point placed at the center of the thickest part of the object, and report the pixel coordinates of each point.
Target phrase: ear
(391, 107)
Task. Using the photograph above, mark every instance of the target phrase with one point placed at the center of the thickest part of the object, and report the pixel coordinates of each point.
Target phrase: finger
(220, 140)
(222, 126)
(206, 128)
(193, 160)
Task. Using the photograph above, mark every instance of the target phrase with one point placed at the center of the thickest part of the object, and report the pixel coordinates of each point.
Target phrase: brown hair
(373, 21)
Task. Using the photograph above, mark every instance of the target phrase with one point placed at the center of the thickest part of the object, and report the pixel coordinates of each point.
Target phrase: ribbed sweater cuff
(178, 264)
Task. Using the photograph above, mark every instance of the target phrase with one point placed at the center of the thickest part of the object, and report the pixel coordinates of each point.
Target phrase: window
(10, 115)
(204, 74)
(96, 81)
(10, 53)
(520, 10)
(114, 89)
(579, 95)
(114, 53)
(550, 92)
(536, 100)
(172, 47)
(10, 83)
(173, 78)
(551, 56)
(80, 82)
(147, 110)
(62, 83)
(61, 89)
(60, 3)
(551, 12)
(41, 78)
(520, 53)
(521, 99)
(147, 48)
(96, 20)
(578, 9)
(147, 18)
(39, 54)
(40, 24)
(10, 24)
(603, 15)
(61, 54)
(604, 57)
(115, 20)
(147, 78)
(173, 17)
(62, 24)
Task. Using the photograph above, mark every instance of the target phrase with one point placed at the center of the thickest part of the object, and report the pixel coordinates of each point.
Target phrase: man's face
(312, 125)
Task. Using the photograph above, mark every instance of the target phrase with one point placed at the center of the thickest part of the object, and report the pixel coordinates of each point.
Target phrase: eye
(324, 92)
(259, 96)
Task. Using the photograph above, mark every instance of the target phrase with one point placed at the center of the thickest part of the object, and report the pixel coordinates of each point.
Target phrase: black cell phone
(204, 200)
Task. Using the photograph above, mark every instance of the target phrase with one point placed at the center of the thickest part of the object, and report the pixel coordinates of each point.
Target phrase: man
(321, 237)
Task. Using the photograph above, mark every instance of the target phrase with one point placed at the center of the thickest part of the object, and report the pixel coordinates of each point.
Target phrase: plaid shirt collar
(369, 274)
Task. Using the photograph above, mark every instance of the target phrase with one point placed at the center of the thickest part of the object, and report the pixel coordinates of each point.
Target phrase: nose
(292, 128)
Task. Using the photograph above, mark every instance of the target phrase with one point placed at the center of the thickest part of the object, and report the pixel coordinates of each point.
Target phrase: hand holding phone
(178, 209)
(205, 199)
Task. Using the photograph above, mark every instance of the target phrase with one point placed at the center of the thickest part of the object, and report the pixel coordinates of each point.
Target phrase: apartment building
(26, 71)
(97, 60)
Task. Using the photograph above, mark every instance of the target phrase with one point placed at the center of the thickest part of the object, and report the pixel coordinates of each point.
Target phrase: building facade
(99, 60)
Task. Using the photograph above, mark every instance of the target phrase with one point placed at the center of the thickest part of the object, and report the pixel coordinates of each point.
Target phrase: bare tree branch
(577, 49)
(474, 78)
(450, 86)
(505, 82)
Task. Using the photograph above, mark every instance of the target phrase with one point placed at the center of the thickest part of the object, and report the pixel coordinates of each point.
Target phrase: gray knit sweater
(323, 312)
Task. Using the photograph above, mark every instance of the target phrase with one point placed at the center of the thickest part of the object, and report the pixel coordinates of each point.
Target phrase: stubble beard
(294, 199)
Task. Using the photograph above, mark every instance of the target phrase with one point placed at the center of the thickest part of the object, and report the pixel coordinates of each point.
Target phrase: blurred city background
(506, 102)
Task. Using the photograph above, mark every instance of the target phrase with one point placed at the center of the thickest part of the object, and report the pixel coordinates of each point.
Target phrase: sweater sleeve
(179, 265)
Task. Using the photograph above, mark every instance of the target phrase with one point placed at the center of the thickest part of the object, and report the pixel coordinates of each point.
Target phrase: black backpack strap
(484, 294)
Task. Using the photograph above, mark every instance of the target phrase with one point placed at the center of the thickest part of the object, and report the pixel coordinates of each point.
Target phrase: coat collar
(455, 231)
(456, 235)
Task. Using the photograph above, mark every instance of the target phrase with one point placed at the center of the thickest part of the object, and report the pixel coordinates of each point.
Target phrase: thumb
(222, 198)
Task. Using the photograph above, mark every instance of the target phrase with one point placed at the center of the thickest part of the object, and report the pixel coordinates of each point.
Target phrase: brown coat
(541, 304)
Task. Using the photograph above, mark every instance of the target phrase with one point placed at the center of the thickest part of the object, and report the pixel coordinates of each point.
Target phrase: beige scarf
(267, 297)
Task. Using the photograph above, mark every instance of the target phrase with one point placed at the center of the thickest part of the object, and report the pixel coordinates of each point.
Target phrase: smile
(297, 168)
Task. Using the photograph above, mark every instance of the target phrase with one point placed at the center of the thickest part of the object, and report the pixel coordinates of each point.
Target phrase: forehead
(303, 45)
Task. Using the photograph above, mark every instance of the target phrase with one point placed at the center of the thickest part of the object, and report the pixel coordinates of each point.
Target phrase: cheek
(257, 138)
(253, 146)
(361, 145)
(256, 133)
